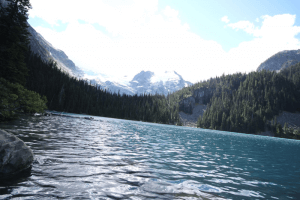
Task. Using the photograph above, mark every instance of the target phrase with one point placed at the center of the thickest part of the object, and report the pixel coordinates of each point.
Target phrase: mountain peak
(280, 60)
(143, 75)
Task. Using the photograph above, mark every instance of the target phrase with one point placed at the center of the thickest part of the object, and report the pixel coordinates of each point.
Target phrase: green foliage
(14, 40)
(14, 98)
(279, 131)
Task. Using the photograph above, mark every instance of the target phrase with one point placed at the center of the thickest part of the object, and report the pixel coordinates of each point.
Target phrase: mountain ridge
(280, 60)
(48, 52)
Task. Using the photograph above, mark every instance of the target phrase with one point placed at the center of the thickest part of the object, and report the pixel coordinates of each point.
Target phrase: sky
(198, 39)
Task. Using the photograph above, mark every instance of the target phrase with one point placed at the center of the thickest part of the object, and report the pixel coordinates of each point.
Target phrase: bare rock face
(15, 156)
(280, 60)
(191, 119)
(186, 105)
(48, 52)
(200, 96)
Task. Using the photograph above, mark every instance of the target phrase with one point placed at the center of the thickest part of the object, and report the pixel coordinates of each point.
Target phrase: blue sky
(204, 17)
(198, 39)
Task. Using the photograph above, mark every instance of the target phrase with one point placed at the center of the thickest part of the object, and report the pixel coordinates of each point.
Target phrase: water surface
(106, 158)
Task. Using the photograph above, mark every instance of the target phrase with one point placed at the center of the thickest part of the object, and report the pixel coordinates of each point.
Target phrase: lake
(106, 158)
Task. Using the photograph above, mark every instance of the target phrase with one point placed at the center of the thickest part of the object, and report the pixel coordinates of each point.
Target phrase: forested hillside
(248, 103)
(213, 85)
(258, 98)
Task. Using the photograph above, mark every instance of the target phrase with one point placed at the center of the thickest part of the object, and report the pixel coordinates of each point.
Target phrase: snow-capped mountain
(143, 82)
(110, 83)
(160, 83)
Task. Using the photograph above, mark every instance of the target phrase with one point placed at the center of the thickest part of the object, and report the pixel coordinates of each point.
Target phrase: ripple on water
(118, 159)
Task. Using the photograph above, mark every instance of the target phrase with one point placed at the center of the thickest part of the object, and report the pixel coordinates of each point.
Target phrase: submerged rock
(47, 114)
(15, 155)
(89, 118)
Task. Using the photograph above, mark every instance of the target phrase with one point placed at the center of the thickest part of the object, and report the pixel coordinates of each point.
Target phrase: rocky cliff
(280, 60)
(47, 52)
(200, 96)
(191, 119)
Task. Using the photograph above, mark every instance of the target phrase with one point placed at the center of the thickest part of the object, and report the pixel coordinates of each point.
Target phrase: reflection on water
(117, 159)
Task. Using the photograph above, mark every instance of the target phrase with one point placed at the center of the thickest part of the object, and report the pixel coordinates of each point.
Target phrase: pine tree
(14, 40)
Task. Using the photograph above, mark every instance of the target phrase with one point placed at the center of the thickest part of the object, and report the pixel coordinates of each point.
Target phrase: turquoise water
(117, 159)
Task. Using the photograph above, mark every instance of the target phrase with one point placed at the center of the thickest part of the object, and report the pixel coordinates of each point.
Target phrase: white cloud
(156, 41)
(247, 26)
(225, 19)
(117, 16)
(277, 27)
(169, 12)
(139, 37)
(276, 33)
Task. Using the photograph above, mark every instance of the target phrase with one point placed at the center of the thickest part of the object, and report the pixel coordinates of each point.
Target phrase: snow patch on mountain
(110, 83)
(165, 77)
(145, 82)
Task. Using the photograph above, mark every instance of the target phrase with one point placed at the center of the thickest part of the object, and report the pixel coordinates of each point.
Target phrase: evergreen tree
(14, 40)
